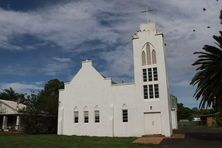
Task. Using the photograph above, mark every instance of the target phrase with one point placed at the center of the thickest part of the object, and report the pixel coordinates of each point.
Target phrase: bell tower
(150, 73)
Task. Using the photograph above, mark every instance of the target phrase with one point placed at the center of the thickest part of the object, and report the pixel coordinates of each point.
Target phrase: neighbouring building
(94, 105)
(10, 115)
(210, 120)
(173, 103)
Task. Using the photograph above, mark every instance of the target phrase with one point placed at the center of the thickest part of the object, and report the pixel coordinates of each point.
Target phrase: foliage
(42, 109)
(221, 16)
(198, 112)
(208, 77)
(183, 112)
(11, 95)
(48, 98)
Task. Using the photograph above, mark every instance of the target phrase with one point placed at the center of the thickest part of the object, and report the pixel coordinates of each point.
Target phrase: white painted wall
(174, 119)
(89, 89)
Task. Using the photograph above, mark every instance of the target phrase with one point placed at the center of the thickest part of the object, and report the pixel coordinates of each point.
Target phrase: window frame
(86, 116)
(151, 93)
(76, 116)
(125, 115)
(96, 116)
(155, 74)
(150, 74)
(145, 92)
(144, 75)
(156, 91)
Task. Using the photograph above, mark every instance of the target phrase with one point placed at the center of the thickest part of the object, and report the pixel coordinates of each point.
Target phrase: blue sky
(45, 39)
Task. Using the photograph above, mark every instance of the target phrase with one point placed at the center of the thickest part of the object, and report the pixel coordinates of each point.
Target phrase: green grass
(54, 141)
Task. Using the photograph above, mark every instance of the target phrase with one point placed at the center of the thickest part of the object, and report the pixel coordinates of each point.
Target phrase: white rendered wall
(174, 119)
(88, 88)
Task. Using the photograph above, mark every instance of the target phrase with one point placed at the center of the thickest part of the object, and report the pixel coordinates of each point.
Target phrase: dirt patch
(149, 140)
(157, 139)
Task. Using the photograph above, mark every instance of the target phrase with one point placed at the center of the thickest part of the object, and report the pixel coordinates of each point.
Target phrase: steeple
(146, 12)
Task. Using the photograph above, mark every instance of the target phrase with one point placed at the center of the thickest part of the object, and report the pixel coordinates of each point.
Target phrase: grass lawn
(54, 141)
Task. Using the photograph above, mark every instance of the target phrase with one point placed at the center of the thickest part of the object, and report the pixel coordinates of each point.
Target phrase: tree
(221, 16)
(208, 78)
(11, 95)
(183, 112)
(48, 98)
(42, 109)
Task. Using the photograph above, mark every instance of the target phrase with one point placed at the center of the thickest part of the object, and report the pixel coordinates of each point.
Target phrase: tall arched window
(86, 114)
(124, 113)
(143, 58)
(148, 54)
(154, 57)
(96, 113)
(76, 115)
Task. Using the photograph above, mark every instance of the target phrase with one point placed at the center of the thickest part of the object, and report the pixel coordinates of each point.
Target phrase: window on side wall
(125, 115)
(97, 119)
(86, 116)
(76, 116)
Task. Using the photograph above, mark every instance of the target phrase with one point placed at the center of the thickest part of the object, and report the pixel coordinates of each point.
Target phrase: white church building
(93, 105)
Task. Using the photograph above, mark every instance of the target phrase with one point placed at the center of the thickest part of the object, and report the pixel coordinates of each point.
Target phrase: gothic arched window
(154, 57)
(143, 58)
(148, 54)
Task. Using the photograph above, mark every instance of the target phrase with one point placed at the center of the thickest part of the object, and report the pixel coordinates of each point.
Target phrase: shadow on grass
(55, 141)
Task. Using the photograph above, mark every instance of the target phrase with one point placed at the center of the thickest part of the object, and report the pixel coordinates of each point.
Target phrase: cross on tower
(146, 11)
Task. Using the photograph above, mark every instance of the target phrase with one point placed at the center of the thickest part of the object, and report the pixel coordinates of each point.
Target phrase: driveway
(196, 138)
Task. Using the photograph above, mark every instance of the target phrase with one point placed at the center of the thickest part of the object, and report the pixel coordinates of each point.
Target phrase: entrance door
(152, 122)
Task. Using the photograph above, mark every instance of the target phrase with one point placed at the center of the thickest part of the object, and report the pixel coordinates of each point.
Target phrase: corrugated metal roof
(14, 105)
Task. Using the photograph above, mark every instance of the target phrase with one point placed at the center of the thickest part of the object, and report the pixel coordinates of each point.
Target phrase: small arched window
(154, 57)
(76, 115)
(143, 58)
(86, 115)
(96, 113)
(148, 57)
(124, 113)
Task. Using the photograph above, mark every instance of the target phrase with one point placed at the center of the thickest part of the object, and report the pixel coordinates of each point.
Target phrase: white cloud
(121, 59)
(112, 23)
(62, 59)
(57, 66)
(21, 87)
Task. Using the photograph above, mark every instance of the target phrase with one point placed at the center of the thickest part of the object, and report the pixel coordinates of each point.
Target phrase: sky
(46, 39)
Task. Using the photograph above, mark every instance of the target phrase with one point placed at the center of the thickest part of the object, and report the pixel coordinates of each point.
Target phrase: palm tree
(208, 78)
(221, 16)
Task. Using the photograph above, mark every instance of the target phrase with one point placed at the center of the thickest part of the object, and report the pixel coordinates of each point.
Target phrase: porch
(10, 122)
